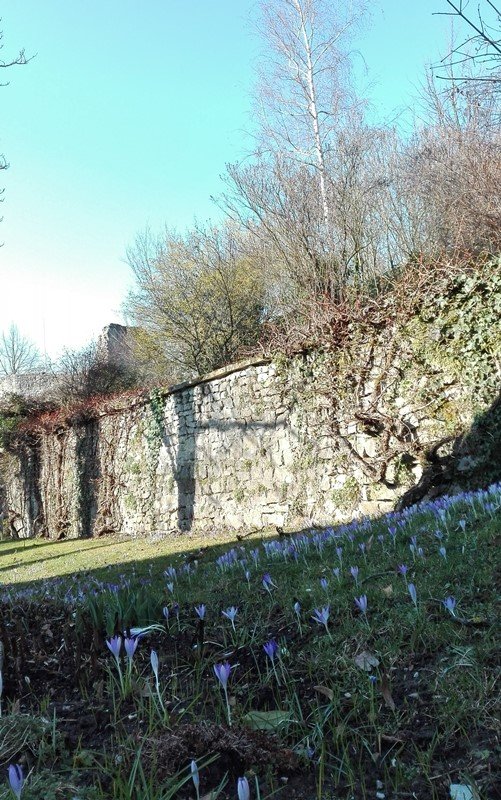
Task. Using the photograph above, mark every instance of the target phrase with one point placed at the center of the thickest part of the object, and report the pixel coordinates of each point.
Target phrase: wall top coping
(119, 404)
(217, 374)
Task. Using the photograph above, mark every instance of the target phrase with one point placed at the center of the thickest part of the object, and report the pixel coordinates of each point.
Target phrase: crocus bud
(130, 646)
(243, 790)
(16, 779)
(412, 591)
(222, 673)
(154, 662)
(194, 775)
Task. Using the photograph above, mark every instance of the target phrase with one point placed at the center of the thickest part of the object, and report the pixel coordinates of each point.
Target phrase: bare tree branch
(17, 353)
(483, 48)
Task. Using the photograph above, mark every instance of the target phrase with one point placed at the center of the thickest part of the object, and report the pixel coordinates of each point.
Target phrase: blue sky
(126, 117)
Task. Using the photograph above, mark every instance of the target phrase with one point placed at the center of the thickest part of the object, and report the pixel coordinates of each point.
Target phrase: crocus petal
(16, 779)
(243, 790)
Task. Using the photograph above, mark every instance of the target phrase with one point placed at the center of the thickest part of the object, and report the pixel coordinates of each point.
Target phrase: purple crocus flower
(16, 779)
(230, 613)
(321, 615)
(243, 790)
(267, 582)
(200, 611)
(412, 591)
(339, 553)
(336, 572)
(131, 646)
(170, 587)
(194, 775)
(297, 608)
(324, 583)
(443, 553)
(402, 569)
(362, 603)
(115, 645)
(222, 673)
(165, 612)
(450, 604)
(354, 573)
(270, 648)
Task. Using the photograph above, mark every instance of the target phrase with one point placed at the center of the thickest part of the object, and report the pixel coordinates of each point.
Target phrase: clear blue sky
(126, 117)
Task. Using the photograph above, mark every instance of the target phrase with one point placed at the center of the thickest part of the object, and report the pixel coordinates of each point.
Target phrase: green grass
(404, 694)
(28, 560)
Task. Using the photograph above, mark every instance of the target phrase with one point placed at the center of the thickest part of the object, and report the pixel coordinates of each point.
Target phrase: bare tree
(303, 94)
(199, 298)
(88, 373)
(19, 59)
(448, 173)
(304, 100)
(482, 47)
(17, 353)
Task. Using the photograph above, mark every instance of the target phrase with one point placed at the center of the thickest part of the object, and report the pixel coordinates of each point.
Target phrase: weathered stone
(237, 449)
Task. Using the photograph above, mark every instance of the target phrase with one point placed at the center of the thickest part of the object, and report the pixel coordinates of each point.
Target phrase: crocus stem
(120, 678)
(159, 695)
(228, 712)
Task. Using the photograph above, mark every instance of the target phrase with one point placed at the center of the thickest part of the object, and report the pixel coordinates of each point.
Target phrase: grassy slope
(425, 720)
(30, 560)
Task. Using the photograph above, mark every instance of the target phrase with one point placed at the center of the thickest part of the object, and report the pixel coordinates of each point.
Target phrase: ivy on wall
(419, 382)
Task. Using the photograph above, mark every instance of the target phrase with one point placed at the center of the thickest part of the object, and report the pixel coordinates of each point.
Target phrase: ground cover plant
(352, 662)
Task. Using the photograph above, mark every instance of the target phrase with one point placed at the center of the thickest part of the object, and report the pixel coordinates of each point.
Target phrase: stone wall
(114, 346)
(313, 439)
(36, 386)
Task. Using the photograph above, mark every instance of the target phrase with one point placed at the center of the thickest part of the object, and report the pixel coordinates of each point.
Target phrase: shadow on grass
(69, 544)
(177, 550)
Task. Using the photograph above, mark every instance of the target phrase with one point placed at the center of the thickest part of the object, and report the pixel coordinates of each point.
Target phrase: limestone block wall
(230, 451)
(217, 453)
(30, 386)
(310, 440)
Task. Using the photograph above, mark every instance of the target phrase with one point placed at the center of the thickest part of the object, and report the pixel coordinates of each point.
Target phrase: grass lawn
(357, 662)
(27, 560)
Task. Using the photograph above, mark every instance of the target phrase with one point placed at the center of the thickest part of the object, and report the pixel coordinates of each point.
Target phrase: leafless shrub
(198, 298)
(85, 373)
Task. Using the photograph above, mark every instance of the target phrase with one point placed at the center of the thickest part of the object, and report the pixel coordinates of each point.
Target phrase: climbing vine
(398, 387)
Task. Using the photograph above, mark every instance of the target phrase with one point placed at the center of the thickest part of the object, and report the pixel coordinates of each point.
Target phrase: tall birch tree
(288, 194)
(303, 95)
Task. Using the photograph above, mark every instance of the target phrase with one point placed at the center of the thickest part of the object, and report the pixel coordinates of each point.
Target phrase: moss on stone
(347, 497)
